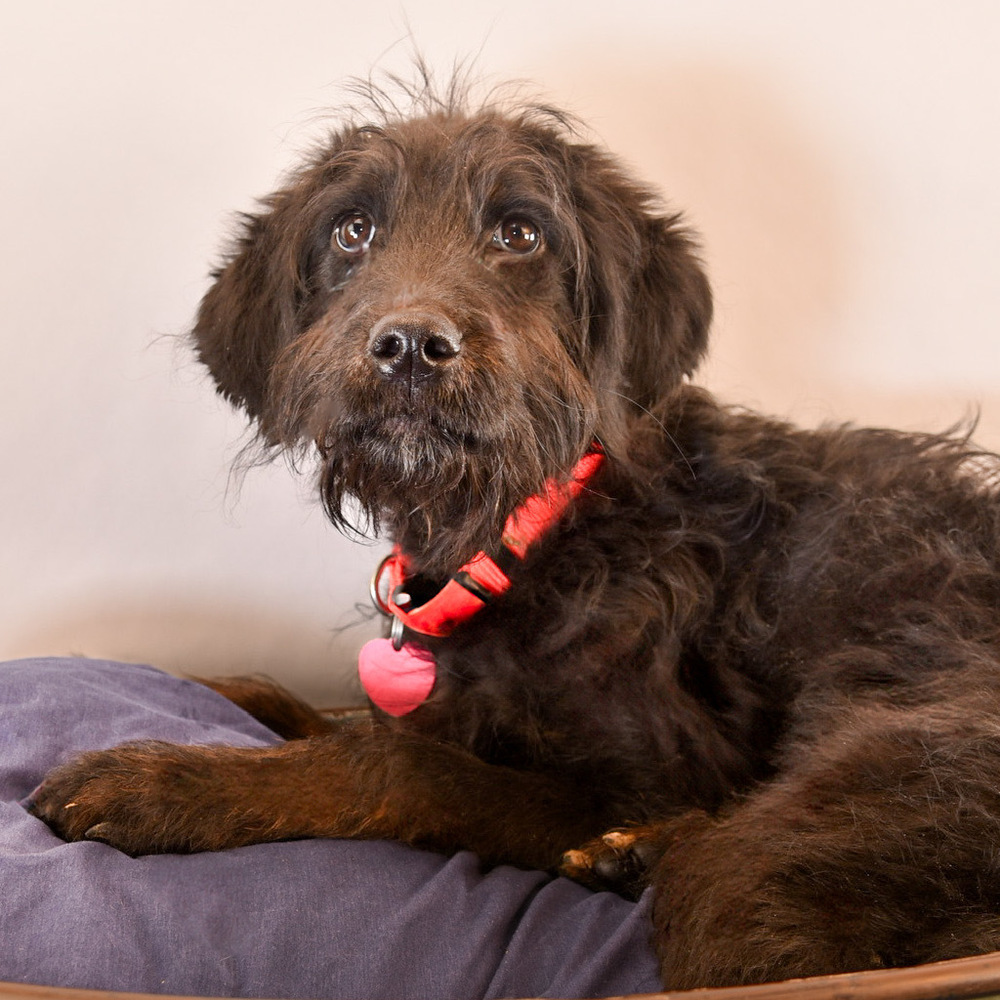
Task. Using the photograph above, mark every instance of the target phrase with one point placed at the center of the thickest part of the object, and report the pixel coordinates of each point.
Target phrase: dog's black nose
(414, 348)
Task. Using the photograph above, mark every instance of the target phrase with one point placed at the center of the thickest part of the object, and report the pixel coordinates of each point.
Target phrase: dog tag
(397, 680)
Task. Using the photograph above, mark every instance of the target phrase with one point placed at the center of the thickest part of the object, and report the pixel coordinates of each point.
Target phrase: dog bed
(298, 919)
(308, 918)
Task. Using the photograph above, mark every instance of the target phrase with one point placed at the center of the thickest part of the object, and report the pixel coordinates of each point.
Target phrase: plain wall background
(841, 161)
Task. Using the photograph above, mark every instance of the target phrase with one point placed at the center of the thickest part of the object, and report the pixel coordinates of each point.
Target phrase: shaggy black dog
(755, 666)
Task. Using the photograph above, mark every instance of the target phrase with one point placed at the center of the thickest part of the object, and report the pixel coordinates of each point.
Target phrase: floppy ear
(641, 288)
(250, 312)
(671, 309)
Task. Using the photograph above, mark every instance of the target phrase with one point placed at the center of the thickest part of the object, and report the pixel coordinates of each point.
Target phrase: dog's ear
(671, 308)
(250, 311)
(641, 287)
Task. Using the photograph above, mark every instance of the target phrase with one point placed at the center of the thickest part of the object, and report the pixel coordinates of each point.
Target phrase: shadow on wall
(722, 146)
(205, 639)
(774, 201)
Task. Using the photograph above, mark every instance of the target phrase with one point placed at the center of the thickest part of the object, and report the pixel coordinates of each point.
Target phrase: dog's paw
(619, 861)
(141, 798)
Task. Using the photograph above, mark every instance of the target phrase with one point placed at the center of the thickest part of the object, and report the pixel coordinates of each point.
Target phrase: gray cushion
(316, 918)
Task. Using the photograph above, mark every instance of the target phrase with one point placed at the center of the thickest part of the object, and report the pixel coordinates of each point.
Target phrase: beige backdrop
(841, 161)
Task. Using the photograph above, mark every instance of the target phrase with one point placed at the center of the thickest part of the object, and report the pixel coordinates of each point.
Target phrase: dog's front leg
(359, 781)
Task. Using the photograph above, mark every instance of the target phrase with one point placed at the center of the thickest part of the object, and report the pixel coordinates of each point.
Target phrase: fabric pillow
(310, 918)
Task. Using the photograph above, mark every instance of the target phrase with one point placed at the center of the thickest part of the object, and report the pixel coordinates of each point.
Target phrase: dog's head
(452, 307)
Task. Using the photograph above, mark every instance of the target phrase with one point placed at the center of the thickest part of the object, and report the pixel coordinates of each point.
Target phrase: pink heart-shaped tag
(397, 680)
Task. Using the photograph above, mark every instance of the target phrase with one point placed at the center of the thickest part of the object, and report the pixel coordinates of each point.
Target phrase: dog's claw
(102, 832)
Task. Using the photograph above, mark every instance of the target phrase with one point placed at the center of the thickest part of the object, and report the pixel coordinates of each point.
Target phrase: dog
(638, 637)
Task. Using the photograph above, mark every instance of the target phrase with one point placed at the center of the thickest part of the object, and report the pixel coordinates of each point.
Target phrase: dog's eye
(517, 236)
(354, 232)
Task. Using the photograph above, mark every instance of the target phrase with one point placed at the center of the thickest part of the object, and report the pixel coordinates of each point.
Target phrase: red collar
(482, 578)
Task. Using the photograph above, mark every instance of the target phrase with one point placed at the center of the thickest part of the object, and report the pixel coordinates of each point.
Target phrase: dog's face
(452, 308)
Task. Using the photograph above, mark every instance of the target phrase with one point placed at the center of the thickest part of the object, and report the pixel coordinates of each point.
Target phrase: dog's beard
(443, 488)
